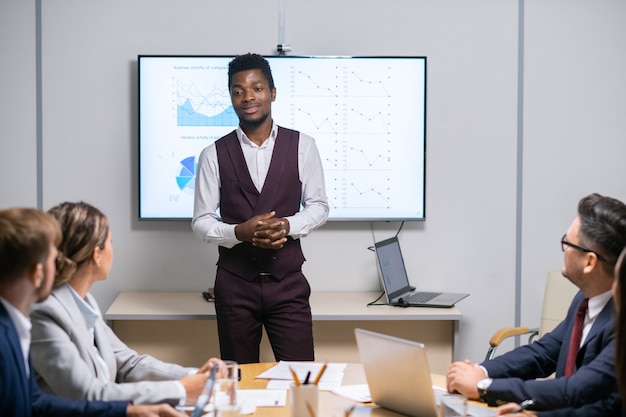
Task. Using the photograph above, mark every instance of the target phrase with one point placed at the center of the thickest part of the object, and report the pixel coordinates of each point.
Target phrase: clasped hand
(264, 230)
(463, 378)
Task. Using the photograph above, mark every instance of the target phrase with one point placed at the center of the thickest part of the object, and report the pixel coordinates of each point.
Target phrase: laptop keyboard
(420, 297)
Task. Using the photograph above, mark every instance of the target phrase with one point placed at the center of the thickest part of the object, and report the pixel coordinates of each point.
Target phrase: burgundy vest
(240, 200)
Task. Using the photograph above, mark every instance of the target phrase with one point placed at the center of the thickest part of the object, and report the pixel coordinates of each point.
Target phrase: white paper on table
(441, 390)
(249, 399)
(362, 411)
(282, 384)
(207, 411)
(333, 372)
(359, 393)
(263, 398)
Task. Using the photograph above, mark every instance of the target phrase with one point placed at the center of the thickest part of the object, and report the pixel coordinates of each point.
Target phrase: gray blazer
(65, 361)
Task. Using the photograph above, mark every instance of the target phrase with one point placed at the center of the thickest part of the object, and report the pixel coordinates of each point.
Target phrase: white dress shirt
(206, 222)
(596, 304)
(91, 315)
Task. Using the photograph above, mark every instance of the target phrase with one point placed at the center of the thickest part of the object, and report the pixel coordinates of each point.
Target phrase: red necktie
(577, 334)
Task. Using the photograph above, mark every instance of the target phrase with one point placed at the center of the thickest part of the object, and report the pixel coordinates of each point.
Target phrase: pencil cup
(303, 400)
(225, 391)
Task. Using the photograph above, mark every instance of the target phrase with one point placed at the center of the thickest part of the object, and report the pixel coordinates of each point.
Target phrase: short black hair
(247, 62)
(603, 225)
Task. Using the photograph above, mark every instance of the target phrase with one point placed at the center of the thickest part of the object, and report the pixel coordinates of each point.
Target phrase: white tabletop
(325, 305)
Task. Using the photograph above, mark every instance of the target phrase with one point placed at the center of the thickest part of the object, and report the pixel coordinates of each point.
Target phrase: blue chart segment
(187, 177)
(188, 116)
(199, 104)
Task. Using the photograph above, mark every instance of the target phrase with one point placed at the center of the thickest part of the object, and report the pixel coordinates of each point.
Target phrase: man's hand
(506, 409)
(463, 377)
(264, 231)
(158, 410)
(193, 385)
(208, 365)
(271, 233)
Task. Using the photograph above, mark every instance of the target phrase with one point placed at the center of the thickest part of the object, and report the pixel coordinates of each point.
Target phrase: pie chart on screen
(186, 179)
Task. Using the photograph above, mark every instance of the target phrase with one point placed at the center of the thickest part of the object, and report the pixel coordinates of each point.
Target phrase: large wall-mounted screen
(367, 115)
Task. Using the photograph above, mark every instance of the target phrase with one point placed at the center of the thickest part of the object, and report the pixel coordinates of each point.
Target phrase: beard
(253, 123)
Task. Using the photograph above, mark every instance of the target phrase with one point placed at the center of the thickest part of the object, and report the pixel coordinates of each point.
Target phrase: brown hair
(84, 228)
(25, 238)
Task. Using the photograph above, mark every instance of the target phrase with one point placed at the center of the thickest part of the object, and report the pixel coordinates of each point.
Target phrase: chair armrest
(504, 333)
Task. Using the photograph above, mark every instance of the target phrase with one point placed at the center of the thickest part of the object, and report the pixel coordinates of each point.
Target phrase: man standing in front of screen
(268, 184)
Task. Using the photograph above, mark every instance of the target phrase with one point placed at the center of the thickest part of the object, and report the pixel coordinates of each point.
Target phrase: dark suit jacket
(515, 372)
(20, 395)
(609, 407)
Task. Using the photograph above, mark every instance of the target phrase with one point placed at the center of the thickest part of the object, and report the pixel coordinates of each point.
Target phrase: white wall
(574, 100)
(18, 147)
(574, 124)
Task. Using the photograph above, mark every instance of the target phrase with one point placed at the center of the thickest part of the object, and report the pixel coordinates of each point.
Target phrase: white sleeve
(314, 201)
(206, 224)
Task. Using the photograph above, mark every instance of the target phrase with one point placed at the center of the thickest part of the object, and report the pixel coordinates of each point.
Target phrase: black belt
(264, 276)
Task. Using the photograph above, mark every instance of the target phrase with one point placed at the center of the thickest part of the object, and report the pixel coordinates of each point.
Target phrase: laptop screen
(392, 270)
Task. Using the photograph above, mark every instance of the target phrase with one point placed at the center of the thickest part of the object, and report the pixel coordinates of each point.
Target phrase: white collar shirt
(206, 222)
(596, 305)
(91, 314)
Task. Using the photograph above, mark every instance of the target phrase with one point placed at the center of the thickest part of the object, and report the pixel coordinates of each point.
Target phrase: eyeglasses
(565, 244)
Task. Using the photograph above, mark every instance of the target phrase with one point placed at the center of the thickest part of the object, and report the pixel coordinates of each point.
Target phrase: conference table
(330, 405)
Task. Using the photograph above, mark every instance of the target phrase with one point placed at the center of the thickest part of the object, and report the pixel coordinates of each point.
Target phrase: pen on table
(205, 395)
(523, 406)
(295, 377)
(308, 376)
(320, 373)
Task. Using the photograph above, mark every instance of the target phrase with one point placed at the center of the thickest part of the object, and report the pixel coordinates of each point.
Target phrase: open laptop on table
(399, 379)
(396, 282)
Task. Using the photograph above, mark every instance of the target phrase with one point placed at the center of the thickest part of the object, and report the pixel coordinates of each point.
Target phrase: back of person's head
(84, 228)
(603, 227)
(248, 62)
(25, 238)
(619, 294)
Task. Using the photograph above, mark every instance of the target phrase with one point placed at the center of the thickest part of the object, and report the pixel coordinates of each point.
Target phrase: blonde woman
(74, 353)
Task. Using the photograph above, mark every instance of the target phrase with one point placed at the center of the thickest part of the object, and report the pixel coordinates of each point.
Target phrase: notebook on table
(399, 378)
(395, 280)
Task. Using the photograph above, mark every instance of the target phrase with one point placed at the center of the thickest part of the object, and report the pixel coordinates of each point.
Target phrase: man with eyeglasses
(585, 373)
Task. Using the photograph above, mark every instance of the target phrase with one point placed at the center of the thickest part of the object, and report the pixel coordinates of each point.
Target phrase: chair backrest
(557, 298)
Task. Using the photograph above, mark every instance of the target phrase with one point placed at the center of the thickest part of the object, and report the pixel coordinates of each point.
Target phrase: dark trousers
(244, 307)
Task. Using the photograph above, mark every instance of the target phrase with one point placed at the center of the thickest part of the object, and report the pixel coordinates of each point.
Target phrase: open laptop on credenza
(395, 281)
